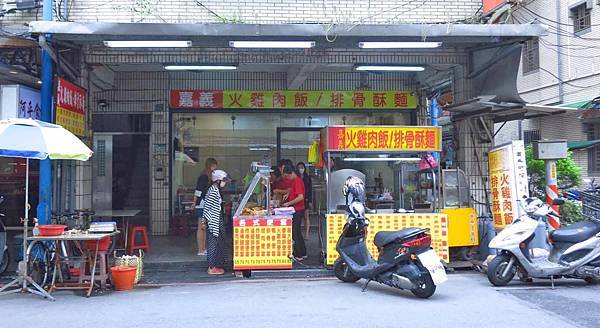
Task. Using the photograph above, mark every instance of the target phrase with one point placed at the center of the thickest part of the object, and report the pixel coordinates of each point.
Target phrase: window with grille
(531, 56)
(582, 18)
(531, 136)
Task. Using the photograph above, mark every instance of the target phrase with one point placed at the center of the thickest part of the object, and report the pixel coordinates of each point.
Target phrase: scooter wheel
(425, 289)
(496, 270)
(342, 271)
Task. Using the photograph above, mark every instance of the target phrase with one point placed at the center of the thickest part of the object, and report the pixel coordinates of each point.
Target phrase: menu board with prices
(262, 243)
(437, 223)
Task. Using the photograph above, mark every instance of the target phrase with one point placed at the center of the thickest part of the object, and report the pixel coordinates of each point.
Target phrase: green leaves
(569, 174)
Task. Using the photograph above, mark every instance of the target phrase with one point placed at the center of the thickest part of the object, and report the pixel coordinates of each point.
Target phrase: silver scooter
(571, 252)
(4, 258)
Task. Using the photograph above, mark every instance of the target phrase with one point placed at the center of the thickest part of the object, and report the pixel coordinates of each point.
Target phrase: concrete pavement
(467, 300)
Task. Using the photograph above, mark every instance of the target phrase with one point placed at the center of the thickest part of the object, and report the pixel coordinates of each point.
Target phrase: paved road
(467, 300)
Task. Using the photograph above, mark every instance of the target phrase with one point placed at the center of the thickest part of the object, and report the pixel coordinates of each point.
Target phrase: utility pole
(45, 183)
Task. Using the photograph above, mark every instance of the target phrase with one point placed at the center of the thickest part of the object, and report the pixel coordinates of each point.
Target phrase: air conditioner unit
(20, 5)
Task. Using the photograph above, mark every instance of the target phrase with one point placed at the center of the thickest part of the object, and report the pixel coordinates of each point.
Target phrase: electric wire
(552, 48)
(550, 20)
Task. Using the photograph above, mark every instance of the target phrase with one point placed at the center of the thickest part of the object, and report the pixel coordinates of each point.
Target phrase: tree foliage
(567, 171)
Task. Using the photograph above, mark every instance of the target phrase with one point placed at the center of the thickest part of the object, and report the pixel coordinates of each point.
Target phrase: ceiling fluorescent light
(381, 159)
(259, 149)
(200, 67)
(272, 44)
(399, 45)
(378, 68)
(148, 44)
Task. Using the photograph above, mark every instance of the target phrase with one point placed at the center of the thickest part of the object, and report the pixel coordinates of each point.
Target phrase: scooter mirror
(558, 201)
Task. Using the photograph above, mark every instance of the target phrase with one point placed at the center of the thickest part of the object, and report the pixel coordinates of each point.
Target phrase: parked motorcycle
(4, 257)
(406, 260)
(572, 251)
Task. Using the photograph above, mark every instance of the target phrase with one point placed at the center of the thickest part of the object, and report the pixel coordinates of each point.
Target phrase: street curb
(230, 281)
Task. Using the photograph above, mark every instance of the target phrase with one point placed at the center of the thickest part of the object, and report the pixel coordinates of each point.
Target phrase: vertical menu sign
(70, 106)
(508, 181)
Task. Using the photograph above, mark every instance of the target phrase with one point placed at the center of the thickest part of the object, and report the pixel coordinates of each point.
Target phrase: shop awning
(501, 112)
(582, 144)
(584, 104)
(217, 35)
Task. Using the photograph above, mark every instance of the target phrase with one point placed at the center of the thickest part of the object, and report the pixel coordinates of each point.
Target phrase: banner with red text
(70, 106)
(286, 99)
(384, 138)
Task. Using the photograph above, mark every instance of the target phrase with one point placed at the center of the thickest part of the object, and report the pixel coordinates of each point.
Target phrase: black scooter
(406, 260)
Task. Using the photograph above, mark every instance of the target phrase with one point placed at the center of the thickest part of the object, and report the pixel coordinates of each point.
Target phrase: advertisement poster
(508, 181)
(70, 106)
(286, 99)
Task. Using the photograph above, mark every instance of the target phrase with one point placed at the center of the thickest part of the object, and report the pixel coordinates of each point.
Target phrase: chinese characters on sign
(437, 223)
(398, 138)
(196, 99)
(70, 106)
(227, 99)
(262, 243)
(508, 181)
(29, 103)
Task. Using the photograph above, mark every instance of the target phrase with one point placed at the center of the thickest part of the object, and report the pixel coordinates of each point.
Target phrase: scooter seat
(576, 232)
(384, 238)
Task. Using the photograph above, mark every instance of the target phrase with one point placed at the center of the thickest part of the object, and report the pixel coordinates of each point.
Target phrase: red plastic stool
(133, 232)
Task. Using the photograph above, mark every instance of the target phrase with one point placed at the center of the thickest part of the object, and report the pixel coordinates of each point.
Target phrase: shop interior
(237, 140)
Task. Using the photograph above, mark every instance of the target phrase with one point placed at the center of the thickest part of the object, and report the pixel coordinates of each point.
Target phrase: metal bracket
(366, 285)
(44, 45)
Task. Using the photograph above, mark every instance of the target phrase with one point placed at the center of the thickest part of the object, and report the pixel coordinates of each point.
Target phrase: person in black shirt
(202, 184)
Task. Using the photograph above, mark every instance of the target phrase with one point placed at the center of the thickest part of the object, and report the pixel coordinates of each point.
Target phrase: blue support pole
(44, 207)
(434, 110)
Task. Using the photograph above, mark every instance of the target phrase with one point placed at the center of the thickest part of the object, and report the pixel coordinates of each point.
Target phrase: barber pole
(552, 191)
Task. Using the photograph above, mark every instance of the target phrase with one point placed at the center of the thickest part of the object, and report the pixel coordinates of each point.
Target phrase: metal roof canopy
(218, 35)
(501, 112)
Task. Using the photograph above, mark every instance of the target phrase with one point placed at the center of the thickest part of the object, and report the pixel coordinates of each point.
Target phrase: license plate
(432, 263)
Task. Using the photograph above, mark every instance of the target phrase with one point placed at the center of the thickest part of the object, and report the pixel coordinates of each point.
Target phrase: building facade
(560, 68)
(128, 89)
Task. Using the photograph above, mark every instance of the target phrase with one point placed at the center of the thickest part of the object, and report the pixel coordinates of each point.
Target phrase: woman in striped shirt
(214, 221)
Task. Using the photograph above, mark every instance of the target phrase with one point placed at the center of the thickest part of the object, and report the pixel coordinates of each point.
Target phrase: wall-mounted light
(382, 159)
(148, 44)
(398, 45)
(200, 67)
(389, 68)
(273, 44)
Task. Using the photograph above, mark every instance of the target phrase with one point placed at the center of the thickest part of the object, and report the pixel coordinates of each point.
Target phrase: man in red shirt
(296, 199)
(282, 185)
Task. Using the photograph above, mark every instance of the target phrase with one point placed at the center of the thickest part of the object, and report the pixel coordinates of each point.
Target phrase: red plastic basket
(51, 229)
(103, 244)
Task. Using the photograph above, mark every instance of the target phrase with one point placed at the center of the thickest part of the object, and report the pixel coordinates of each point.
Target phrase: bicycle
(42, 254)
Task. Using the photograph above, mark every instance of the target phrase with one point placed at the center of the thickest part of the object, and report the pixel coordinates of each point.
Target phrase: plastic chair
(133, 233)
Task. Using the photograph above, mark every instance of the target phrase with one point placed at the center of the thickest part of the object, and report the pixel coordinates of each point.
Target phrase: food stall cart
(262, 238)
(394, 145)
(454, 200)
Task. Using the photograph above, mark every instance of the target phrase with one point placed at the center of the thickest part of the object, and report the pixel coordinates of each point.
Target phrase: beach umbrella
(32, 139)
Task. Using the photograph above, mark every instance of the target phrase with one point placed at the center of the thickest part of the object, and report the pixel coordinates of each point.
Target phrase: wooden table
(77, 237)
(125, 215)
